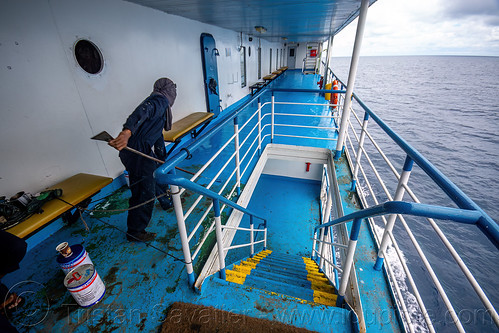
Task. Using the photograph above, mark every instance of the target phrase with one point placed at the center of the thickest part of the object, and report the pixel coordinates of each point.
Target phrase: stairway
(284, 274)
(310, 61)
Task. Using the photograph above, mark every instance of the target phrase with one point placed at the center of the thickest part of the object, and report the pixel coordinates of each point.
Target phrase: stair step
(290, 290)
(284, 268)
(276, 267)
(284, 255)
(315, 285)
(291, 260)
(309, 278)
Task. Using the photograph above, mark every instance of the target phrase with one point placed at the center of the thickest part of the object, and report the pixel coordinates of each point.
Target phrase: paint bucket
(70, 258)
(85, 285)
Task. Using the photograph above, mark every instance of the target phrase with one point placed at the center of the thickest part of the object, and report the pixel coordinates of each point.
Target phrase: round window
(88, 56)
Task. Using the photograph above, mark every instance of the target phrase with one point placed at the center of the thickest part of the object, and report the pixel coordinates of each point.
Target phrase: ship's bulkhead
(50, 106)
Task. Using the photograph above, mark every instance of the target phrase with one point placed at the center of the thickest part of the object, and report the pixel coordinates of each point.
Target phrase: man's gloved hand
(122, 140)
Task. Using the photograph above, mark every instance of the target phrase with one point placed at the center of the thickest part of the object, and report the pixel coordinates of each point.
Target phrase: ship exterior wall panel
(50, 107)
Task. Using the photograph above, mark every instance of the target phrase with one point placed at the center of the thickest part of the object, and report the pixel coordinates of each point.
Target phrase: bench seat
(186, 125)
(257, 86)
(269, 77)
(74, 190)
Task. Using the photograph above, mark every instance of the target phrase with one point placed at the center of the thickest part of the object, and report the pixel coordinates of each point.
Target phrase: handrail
(172, 179)
(171, 162)
(409, 208)
(322, 91)
(486, 224)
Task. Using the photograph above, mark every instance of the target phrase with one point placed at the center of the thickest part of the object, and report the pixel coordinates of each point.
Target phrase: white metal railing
(251, 144)
(256, 129)
(359, 152)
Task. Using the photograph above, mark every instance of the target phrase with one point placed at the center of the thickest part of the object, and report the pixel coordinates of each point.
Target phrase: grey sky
(426, 27)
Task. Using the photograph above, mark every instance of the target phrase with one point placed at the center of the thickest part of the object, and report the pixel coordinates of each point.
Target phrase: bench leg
(70, 218)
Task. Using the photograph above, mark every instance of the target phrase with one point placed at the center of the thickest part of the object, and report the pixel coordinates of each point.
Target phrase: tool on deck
(105, 136)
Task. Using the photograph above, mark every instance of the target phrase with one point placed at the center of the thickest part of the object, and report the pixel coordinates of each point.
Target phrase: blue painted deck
(142, 282)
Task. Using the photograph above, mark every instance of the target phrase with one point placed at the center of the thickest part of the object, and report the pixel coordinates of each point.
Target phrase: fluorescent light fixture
(260, 29)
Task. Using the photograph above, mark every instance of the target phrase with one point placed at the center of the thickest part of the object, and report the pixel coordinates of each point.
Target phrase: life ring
(335, 97)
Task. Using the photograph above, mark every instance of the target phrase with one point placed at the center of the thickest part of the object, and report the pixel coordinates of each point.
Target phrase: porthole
(88, 56)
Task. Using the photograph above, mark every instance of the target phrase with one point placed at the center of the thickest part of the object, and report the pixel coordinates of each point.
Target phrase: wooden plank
(186, 125)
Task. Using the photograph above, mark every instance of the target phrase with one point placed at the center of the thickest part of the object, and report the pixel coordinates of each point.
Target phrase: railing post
(314, 245)
(325, 219)
(252, 238)
(345, 118)
(359, 151)
(322, 248)
(179, 213)
(259, 127)
(399, 194)
(265, 235)
(238, 167)
(328, 56)
(272, 121)
(336, 281)
(347, 268)
(219, 235)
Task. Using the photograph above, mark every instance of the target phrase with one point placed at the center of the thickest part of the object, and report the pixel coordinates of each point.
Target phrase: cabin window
(88, 56)
(292, 52)
(249, 51)
(259, 63)
(242, 53)
(270, 67)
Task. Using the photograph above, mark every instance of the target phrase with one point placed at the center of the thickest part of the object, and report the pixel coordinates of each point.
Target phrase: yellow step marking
(239, 272)
(237, 277)
(323, 291)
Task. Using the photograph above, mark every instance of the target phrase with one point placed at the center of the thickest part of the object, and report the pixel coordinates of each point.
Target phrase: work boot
(166, 202)
(144, 236)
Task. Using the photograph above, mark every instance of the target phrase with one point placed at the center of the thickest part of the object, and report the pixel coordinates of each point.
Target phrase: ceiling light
(260, 29)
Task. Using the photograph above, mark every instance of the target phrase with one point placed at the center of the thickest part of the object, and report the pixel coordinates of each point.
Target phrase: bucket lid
(79, 276)
(76, 249)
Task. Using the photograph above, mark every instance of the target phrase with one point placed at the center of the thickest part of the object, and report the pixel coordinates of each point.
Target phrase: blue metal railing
(468, 211)
(172, 179)
(486, 224)
(410, 208)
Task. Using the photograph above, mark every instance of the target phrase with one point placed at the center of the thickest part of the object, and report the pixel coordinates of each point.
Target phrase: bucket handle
(75, 277)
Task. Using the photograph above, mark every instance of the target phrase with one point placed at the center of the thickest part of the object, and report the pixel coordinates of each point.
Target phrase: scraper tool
(105, 136)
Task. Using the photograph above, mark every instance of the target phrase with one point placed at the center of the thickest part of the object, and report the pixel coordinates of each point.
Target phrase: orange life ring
(335, 97)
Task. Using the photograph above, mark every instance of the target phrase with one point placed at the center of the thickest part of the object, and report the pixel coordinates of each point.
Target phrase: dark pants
(143, 187)
(12, 251)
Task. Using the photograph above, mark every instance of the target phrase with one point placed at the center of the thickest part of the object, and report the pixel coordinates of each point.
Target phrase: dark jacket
(147, 123)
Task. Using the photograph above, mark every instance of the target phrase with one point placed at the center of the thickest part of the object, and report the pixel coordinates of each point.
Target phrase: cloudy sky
(426, 27)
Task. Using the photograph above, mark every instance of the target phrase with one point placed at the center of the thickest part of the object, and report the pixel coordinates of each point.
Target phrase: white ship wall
(50, 107)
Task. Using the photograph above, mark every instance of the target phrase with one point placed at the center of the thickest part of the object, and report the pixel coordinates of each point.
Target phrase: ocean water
(447, 107)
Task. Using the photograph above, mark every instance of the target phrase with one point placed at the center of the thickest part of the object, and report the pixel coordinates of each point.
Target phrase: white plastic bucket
(85, 285)
(79, 256)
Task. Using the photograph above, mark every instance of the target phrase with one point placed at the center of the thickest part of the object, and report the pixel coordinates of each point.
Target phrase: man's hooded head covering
(167, 88)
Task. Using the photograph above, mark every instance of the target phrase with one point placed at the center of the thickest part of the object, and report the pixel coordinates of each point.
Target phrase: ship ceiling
(289, 20)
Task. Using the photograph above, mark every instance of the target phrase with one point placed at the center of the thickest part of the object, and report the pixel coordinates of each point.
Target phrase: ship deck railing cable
(485, 223)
